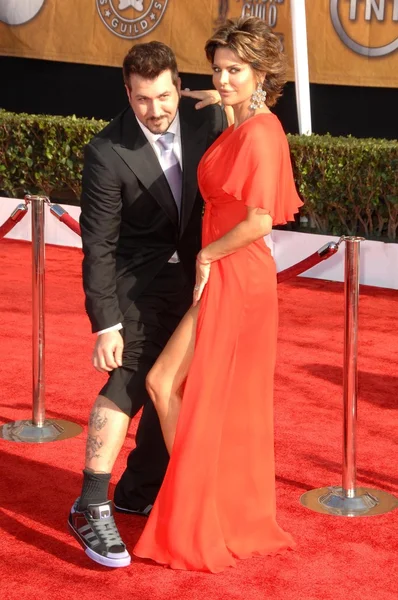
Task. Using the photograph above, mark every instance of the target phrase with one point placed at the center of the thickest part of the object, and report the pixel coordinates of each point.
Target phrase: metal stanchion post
(39, 429)
(348, 500)
(38, 270)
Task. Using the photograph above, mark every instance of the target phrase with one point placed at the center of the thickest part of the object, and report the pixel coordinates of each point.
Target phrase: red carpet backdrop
(336, 557)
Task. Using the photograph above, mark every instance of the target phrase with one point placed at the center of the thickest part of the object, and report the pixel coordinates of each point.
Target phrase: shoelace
(107, 531)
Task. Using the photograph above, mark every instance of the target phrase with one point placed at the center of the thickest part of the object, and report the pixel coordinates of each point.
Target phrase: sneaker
(142, 512)
(95, 529)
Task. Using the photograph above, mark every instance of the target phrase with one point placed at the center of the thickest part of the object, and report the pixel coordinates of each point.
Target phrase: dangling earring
(258, 97)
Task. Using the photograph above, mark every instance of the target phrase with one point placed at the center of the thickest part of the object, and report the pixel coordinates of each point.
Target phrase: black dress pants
(147, 326)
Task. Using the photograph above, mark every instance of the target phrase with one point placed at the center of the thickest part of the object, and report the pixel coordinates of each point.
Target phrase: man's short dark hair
(148, 61)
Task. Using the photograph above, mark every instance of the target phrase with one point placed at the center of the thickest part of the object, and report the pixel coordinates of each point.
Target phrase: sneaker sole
(128, 511)
(98, 558)
(108, 562)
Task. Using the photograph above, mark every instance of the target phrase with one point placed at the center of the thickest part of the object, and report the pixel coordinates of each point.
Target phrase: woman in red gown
(213, 384)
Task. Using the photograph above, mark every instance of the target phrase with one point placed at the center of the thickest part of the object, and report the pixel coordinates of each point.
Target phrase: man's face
(154, 101)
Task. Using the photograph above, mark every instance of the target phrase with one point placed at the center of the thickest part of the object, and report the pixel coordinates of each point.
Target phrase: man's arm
(100, 223)
(208, 97)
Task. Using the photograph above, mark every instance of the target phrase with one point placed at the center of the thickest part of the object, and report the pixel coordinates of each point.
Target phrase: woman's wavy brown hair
(255, 44)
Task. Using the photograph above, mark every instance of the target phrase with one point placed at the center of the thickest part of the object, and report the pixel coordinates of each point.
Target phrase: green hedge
(350, 186)
(43, 154)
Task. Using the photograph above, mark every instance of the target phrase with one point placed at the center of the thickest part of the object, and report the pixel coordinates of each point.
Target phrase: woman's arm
(257, 224)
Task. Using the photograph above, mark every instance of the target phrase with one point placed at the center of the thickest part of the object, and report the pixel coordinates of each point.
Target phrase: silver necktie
(171, 166)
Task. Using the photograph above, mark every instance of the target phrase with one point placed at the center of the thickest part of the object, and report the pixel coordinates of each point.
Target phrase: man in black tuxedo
(141, 232)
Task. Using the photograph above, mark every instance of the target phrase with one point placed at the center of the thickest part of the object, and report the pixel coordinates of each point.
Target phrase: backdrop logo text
(352, 20)
(131, 19)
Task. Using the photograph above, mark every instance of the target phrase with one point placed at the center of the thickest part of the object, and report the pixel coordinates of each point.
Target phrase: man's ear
(128, 91)
(179, 86)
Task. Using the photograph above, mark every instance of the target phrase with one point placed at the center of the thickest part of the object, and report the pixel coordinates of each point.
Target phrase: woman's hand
(202, 277)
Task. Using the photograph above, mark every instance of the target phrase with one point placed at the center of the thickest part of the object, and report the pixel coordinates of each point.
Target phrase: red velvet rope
(307, 263)
(292, 271)
(71, 223)
(300, 267)
(15, 218)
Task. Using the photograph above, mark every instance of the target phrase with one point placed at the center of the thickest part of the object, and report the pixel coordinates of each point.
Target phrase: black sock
(95, 488)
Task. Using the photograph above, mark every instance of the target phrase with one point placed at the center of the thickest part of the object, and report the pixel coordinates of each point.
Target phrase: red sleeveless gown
(217, 502)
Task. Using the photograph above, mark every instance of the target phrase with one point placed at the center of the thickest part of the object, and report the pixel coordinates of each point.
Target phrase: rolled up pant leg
(148, 326)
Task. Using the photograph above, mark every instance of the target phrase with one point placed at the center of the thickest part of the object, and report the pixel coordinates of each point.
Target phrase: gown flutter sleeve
(259, 171)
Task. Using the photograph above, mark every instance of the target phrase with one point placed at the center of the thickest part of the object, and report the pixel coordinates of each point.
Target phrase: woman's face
(234, 79)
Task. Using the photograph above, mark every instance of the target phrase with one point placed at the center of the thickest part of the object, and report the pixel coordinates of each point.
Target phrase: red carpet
(336, 557)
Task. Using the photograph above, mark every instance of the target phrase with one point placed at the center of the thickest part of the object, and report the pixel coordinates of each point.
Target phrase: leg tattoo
(98, 418)
(94, 443)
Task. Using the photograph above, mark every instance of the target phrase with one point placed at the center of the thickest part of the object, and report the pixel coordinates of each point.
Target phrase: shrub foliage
(349, 185)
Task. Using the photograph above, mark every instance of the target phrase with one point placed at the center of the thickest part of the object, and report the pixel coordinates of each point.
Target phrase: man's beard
(159, 125)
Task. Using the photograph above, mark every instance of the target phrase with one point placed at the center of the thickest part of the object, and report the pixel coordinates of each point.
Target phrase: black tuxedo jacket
(129, 219)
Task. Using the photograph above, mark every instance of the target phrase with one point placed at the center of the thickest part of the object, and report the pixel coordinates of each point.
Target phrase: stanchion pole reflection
(349, 500)
(39, 429)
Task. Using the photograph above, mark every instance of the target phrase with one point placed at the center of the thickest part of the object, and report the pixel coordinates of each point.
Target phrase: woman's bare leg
(165, 379)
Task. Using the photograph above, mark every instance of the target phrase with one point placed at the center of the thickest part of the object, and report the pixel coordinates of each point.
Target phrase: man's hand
(206, 97)
(108, 351)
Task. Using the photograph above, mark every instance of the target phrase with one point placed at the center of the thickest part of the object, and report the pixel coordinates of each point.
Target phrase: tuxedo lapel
(193, 143)
(135, 150)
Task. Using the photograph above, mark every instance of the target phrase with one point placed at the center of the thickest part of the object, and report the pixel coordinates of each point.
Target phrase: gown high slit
(217, 501)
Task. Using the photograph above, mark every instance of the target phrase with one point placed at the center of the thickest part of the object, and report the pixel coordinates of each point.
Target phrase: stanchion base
(367, 502)
(52, 430)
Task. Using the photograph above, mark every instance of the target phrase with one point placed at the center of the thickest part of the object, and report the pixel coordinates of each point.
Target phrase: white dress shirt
(152, 138)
